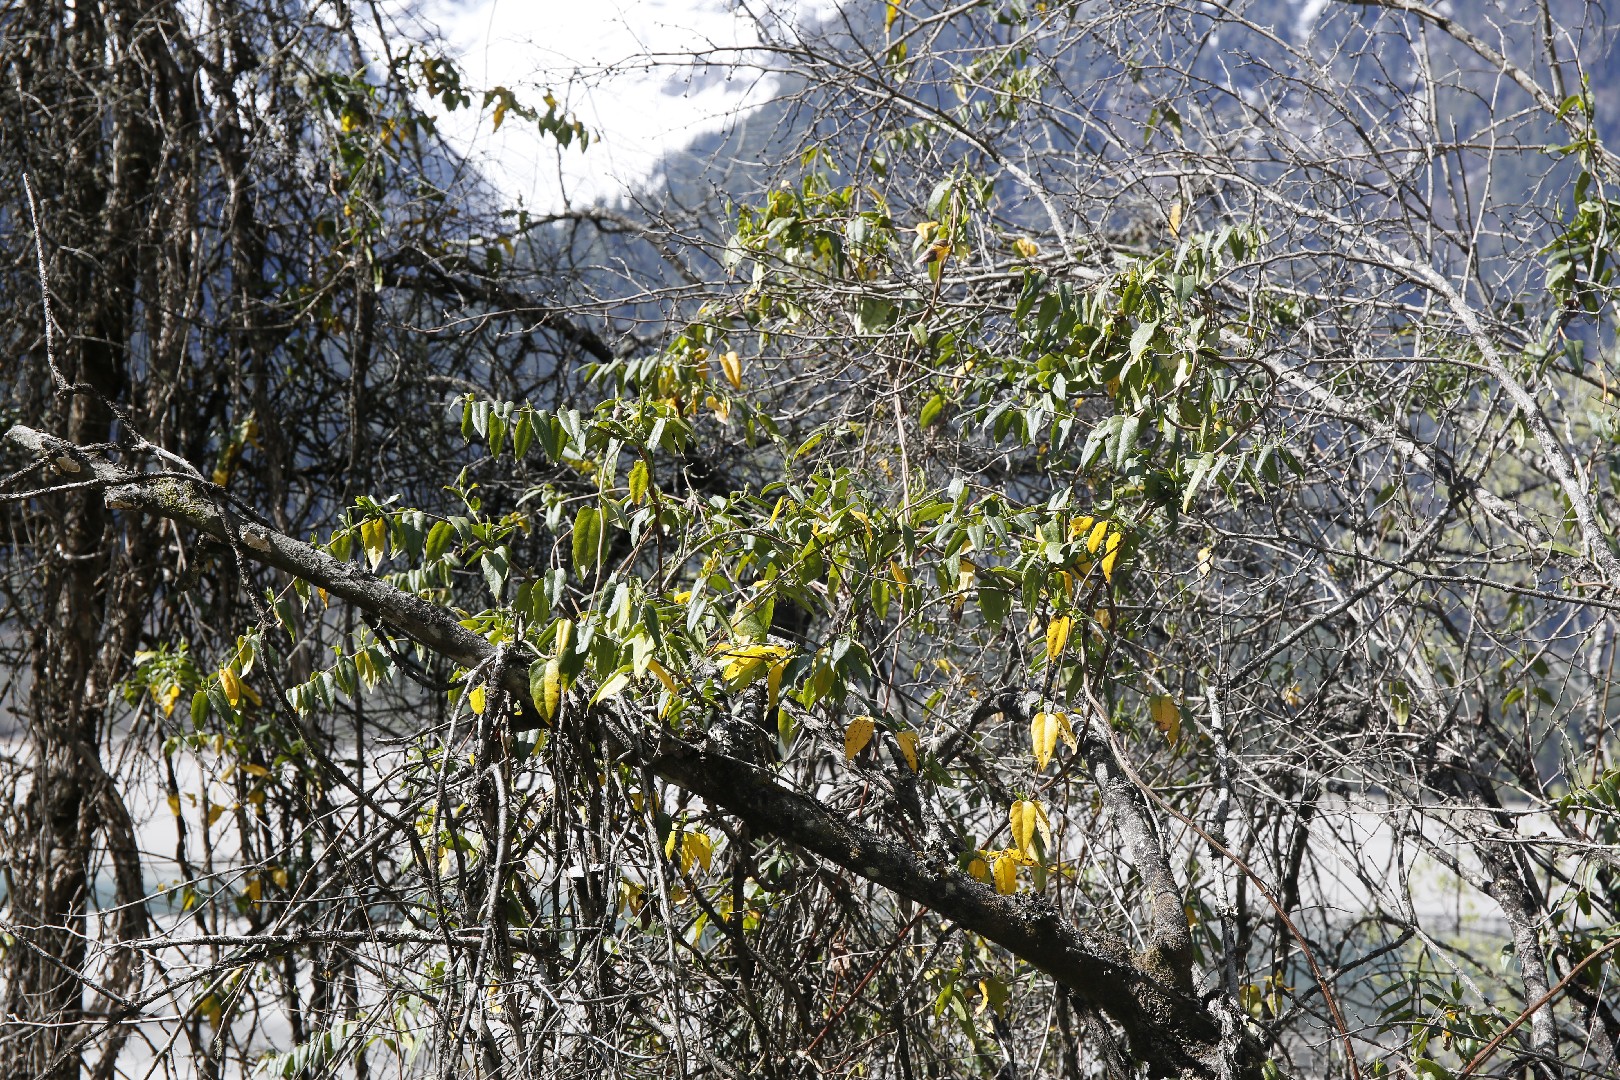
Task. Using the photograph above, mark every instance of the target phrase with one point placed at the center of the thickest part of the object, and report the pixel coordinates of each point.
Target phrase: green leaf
(587, 538)
(497, 434)
(438, 540)
(639, 481)
(523, 434)
(931, 410)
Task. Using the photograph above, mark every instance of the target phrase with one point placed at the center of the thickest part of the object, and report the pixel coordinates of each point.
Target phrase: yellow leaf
(374, 538)
(1022, 819)
(279, 876)
(1175, 218)
(964, 574)
(1006, 872)
(892, 13)
(857, 735)
(1065, 732)
(731, 365)
(901, 578)
(174, 805)
(978, 869)
(1026, 247)
(254, 888)
(693, 848)
(1080, 526)
(908, 747)
(664, 677)
(1027, 818)
(232, 686)
(1111, 556)
(214, 811)
(700, 848)
(551, 689)
(170, 696)
(1094, 541)
(936, 253)
(773, 683)
(1045, 731)
(748, 662)
(1057, 636)
(1166, 716)
(475, 700)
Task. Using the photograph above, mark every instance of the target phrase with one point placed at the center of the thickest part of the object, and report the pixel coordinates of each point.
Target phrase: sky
(593, 55)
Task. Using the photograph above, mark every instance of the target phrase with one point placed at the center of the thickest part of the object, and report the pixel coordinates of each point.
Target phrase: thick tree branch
(1171, 1031)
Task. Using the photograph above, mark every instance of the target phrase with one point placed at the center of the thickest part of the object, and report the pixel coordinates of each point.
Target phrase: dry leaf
(1111, 556)
(1166, 716)
(857, 735)
(1057, 636)
(1006, 872)
(908, 747)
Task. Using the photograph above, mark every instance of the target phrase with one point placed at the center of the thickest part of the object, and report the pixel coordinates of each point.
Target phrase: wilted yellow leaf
(374, 539)
(748, 662)
(857, 735)
(1006, 872)
(731, 366)
(1057, 636)
(1026, 247)
(908, 747)
(232, 686)
(1166, 716)
(1111, 556)
(1045, 731)
(693, 847)
(773, 682)
(174, 805)
(698, 848)
(663, 676)
(550, 698)
(1094, 541)
(1027, 818)
(1043, 737)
